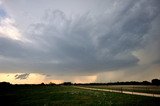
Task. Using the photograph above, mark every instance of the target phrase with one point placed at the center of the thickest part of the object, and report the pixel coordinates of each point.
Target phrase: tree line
(153, 82)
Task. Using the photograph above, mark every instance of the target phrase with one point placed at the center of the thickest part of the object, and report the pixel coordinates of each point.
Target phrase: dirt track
(125, 92)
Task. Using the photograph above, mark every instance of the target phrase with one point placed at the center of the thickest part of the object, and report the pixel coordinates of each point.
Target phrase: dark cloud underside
(100, 39)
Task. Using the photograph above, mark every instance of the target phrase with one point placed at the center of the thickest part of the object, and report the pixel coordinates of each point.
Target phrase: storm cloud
(104, 36)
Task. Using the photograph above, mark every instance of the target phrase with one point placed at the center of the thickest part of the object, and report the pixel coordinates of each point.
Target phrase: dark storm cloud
(9, 47)
(85, 44)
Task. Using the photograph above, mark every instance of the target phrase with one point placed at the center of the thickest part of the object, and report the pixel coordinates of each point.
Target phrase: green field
(132, 88)
(69, 96)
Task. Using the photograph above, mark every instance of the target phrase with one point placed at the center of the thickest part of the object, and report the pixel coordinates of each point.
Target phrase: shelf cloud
(79, 38)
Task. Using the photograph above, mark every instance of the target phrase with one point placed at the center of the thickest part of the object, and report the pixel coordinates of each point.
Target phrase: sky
(81, 41)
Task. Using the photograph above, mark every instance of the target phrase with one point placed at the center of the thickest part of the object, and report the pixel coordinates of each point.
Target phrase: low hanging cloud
(22, 76)
(93, 42)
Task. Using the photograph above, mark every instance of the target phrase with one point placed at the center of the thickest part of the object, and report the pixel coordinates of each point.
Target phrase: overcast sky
(79, 40)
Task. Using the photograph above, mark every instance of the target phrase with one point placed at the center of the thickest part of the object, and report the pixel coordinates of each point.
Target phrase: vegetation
(153, 82)
(66, 94)
(156, 82)
(52, 95)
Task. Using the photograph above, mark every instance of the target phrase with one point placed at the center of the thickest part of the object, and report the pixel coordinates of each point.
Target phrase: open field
(69, 96)
(132, 88)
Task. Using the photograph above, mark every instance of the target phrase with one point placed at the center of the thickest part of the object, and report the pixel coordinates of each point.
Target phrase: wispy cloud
(22, 76)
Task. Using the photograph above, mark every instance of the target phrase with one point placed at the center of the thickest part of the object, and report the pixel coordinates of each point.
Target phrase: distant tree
(51, 83)
(5, 84)
(67, 83)
(156, 82)
(146, 83)
(42, 83)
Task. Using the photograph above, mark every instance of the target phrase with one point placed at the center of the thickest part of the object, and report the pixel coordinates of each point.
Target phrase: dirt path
(125, 92)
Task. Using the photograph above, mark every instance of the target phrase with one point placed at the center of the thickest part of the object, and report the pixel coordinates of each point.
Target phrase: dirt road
(125, 92)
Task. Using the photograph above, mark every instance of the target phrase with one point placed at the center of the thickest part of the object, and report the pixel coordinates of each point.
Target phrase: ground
(69, 96)
(135, 88)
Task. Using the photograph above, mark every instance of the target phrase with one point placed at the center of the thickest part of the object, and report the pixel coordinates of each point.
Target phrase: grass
(132, 88)
(69, 96)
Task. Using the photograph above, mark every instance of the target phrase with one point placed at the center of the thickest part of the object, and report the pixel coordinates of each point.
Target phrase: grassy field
(69, 96)
(132, 88)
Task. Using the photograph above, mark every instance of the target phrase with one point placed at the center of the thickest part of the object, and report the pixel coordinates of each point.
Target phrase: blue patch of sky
(2, 13)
